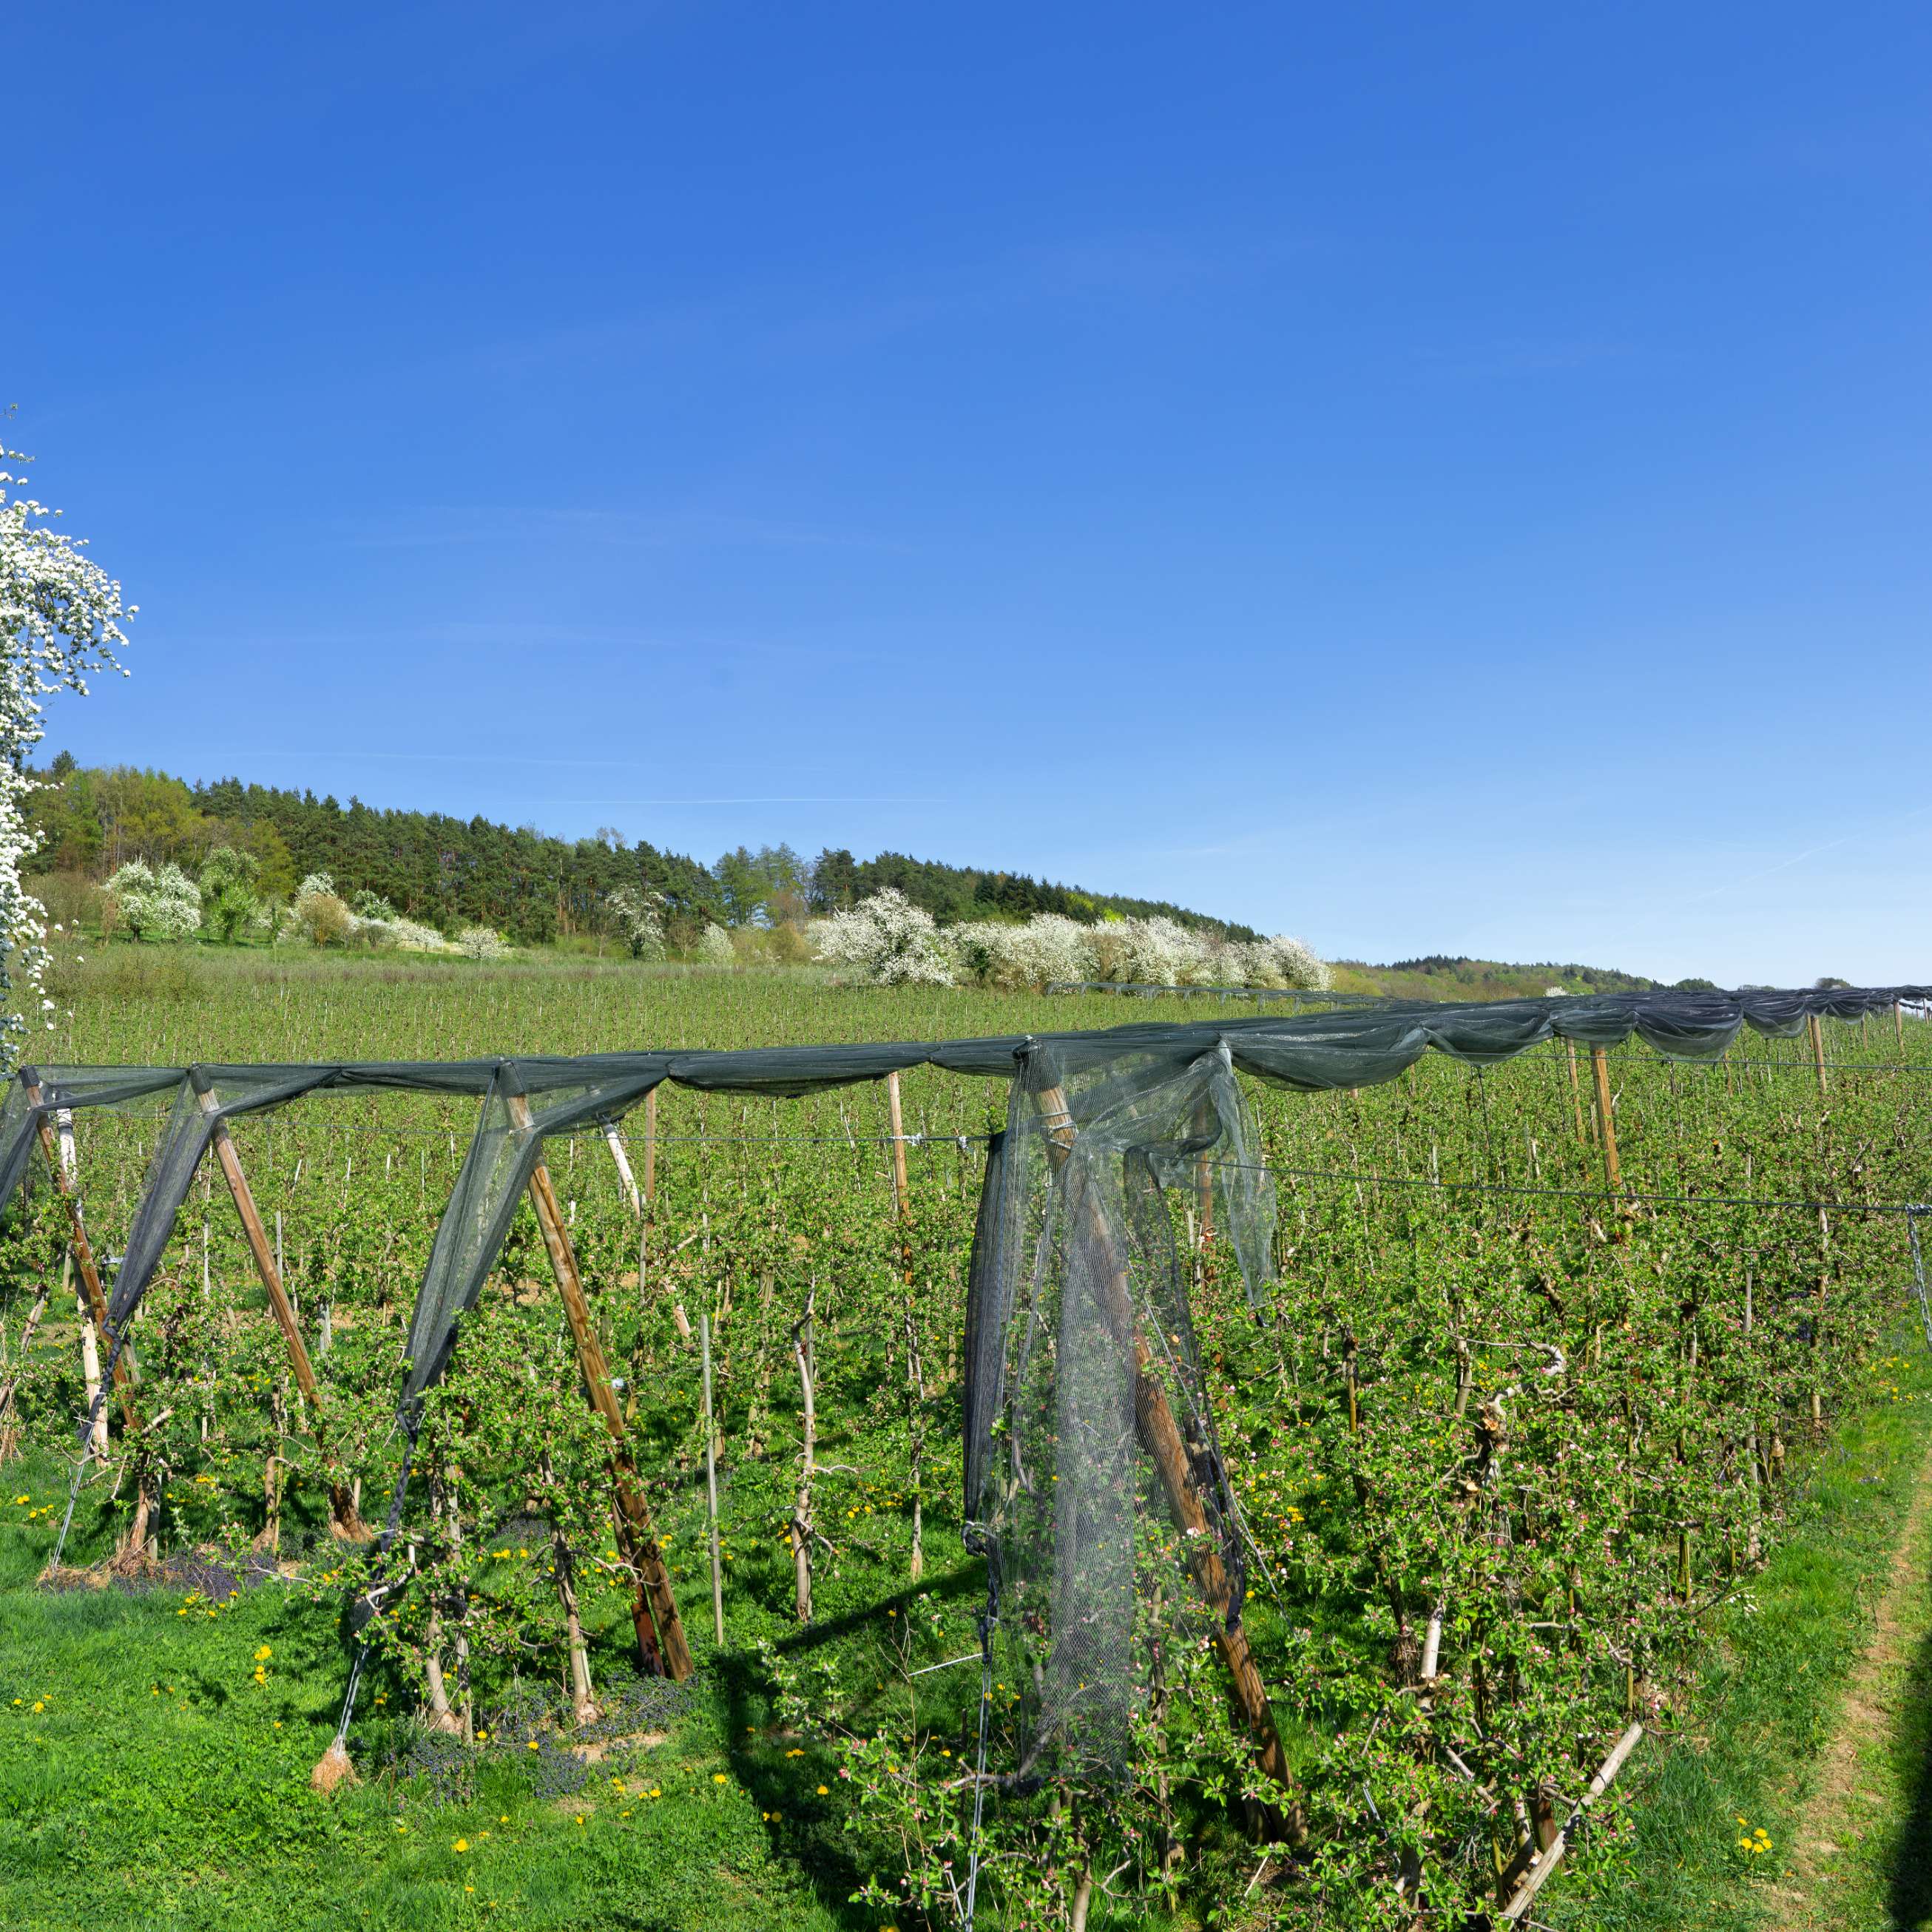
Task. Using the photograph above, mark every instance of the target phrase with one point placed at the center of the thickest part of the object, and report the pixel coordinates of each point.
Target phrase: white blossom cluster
(889, 941)
(320, 912)
(60, 620)
(637, 912)
(406, 935)
(158, 902)
(481, 943)
(885, 940)
(1049, 947)
(714, 947)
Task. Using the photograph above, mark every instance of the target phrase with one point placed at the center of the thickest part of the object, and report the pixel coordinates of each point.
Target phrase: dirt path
(1835, 1876)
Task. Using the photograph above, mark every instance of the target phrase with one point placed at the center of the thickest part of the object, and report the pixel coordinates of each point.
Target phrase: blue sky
(1427, 478)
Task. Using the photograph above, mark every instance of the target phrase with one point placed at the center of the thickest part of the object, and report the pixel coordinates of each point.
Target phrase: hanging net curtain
(1078, 1321)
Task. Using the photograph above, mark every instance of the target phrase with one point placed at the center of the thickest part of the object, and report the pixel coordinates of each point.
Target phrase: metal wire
(1907, 1207)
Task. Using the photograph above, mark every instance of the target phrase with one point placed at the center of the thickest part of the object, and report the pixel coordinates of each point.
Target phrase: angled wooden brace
(83, 1256)
(663, 1649)
(345, 1521)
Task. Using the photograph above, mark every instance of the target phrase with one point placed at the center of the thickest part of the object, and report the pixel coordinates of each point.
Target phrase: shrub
(637, 913)
(228, 880)
(1148, 952)
(787, 943)
(1048, 946)
(1279, 961)
(885, 940)
(412, 936)
(319, 914)
(73, 901)
(481, 943)
(158, 903)
(714, 947)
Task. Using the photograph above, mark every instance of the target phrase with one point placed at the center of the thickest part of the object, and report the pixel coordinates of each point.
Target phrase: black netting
(1311, 1052)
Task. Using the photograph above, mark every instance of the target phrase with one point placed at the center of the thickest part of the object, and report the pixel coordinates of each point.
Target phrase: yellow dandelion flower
(459, 1844)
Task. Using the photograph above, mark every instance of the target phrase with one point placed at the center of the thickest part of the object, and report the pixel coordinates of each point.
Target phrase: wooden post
(711, 1488)
(615, 1142)
(1816, 1028)
(664, 1649)
(899, 1142)
(1898, 1026)
(1203, 1176)
(650, 1146)
(1160, 1436)
(915, 1370)
(1607, 1126)
(345, 1520)
(83, 1257)
(1513, 1913)
(1576, 1095)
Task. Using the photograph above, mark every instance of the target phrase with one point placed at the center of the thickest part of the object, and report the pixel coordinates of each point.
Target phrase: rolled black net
(1312, 1051)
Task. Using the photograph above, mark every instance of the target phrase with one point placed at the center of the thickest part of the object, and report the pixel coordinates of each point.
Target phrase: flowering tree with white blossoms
(157, 901)
(481, 943)
(638, 913)
(1048, 946)
(60, 620)
(886, 939)
(714, 947)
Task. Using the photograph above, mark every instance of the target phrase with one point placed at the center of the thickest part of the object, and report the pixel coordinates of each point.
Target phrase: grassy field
(163, 1779)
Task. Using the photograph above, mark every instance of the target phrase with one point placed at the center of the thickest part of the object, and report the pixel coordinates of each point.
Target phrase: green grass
(1764, 1705)
(160, 1786)
(154, 1788)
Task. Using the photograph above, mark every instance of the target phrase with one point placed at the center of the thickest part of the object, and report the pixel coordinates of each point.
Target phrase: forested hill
(1453, 977)
(453, 872)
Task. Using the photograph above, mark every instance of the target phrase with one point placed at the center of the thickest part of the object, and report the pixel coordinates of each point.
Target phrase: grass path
(1756, 1736)
(1860, 1856)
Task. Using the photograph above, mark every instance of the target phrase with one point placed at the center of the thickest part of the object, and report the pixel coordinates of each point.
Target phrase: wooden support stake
(615, 1142)
(1817, 1029)
(1576, 1096)
(83, 1257)
(915, 1370)
(345, 1520)
(664, 1649)
(650, 1146)
(1160, 1436)
(898, 1142)
(1600, 1072)
(711, 1488)
(1513, 1913)
(1898, 1025)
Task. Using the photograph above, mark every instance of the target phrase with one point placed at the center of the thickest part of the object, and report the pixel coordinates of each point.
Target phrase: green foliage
(230, 881)
(1530, 1408)
(449, 872)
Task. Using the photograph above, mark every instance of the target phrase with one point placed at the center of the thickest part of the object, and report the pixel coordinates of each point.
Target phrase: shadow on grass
(808, 1836)
(1909, 1895)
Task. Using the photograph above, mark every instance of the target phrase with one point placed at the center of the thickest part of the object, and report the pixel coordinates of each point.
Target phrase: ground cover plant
(1509, 1450)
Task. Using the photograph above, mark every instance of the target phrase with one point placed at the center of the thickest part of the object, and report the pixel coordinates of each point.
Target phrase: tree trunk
(583, 1698)
(9, 1429)
(801, 1519)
